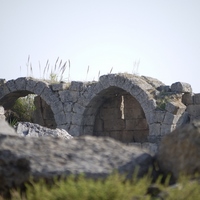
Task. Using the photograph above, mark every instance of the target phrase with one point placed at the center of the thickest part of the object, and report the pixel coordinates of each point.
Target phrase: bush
(24, 107)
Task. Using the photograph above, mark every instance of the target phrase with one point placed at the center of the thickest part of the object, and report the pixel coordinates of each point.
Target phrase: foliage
(24, 107)
(115, 187)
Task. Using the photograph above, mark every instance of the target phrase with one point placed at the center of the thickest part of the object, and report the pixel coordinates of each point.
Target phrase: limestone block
(20, 83)
(154, 139)
(157, 116)
(45, 95)
(76, 86)
(187, 98)
(4, 90)
(136, 124)
(164, 88)
(142, 97)
(67, 96)
(68, 106)
(59, 86)
(104, 81)
(77, 108)
(166, 128)
(117, 135)
(114, 124)
(108, 113)
(181, 87)
(60, 118)
(31, 84)
(74, 130)
(154, 129)
(68, 118)
(56, 106)
(89, 120)
(140, 136)
(11, 85)
(76, 119)
(40, 87)
(197, 98)
(135, 90)
(170, 118)
(175, 107)
(149, 105)
(183, 119)
(98, 87)
(193, 110)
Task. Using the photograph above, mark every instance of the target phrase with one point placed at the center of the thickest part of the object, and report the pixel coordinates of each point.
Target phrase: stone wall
(130, 108)
(121, 117)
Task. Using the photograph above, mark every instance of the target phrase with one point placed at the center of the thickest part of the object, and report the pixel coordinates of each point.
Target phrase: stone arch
(134, 87)
(11, 90)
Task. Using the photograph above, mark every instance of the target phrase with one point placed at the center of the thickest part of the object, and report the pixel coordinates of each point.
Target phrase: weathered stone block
(165, 128)
(4, 91)
(20, 84)
(194, 110)
(157, 116)
(11, 85)
(40, 87)
(76, 119)
(74, 130)
(181, 87)
(197, 98)
(136, 124)
(59, 86)
(31, 84)
(114, 124)
(170, 118)
(154, 129)
(76, 86)
(56, 106)
(60, 118)
(67, 95)
(175, 107)
(187, 98)
(77, 108)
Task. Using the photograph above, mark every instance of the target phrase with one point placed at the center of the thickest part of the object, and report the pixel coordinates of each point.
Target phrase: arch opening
(26, 106)
(114, 112)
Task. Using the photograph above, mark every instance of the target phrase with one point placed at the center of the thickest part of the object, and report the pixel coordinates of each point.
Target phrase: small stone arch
(134, 88)
(11, 90)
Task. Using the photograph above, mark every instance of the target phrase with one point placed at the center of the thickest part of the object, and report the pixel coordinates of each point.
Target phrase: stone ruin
(129, 108)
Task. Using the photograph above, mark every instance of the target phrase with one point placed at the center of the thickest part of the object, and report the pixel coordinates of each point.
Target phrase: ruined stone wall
(130, 108)
(122, 118)
(43, 114)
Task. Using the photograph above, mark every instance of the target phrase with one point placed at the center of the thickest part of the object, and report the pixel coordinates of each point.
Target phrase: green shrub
(24, 107)
(113, 188)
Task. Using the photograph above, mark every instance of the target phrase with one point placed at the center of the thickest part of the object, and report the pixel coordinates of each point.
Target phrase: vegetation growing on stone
(24, 108)
(115, 187)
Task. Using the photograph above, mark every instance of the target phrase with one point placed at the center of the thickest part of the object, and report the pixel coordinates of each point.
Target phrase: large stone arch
(11, 90)
(109, 85)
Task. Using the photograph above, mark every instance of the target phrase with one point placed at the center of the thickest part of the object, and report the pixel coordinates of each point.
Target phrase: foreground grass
(113, 188)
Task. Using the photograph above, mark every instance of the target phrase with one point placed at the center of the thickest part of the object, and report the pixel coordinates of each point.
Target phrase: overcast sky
(156, 38)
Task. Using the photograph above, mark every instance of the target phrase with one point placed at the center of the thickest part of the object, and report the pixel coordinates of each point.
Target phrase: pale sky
(161, 36)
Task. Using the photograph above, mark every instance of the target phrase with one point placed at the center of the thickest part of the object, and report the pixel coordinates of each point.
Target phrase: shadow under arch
(21, 87)
(114, 112)
(136, 88)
